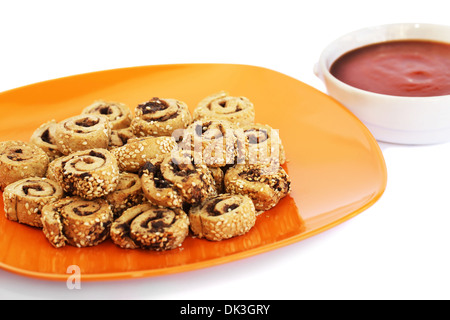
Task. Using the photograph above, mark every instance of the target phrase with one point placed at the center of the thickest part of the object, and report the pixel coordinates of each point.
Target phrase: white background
(397, 249)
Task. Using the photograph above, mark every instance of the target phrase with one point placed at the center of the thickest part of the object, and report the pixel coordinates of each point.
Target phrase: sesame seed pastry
(24, 199)
(157, 189)
(120, 137)
(212, 141)
(77, 222)
(88, 174)
(127, 194)
(118, 114)
(150, 227)
(223, 217)
(193, 181)
(265, 185)
(44, 138)
(20, 160)
(160, 117)
(259, 144)
(137, 152)
(82, 132)
(222, 106)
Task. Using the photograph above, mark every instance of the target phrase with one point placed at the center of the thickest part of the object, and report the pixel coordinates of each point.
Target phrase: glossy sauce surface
(413, 68)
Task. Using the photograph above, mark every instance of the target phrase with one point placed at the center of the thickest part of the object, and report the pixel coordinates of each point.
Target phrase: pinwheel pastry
(83, 132)
(194, 182)
(222, 106)
(160, 117)
(137, 152)
(265, 185)
(223, 217)
(24, 199)
(44, 138)
(88, 174)
(19, 160)
(259, 144)
(212, 141)
(157, 189)
(77, 222)
(150, 227)
(127, 194)
(118, 114)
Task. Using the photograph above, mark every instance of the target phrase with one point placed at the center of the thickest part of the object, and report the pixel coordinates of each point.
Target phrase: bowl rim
(322, 71)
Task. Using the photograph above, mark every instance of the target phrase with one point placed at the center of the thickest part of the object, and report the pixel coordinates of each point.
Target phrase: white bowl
(396, 119)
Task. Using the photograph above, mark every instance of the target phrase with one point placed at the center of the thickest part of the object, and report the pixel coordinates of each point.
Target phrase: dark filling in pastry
(105, 110)
(166, 117)
(123, 137)
(97, 154)
(46, 137)
(33, 186)
(126, 183)
(223, 104)
(274, 182)
(160, 182)
(212, 211)
(87, 122)
(17, 155)
(252, 174)
(205, 132)
(82, 213)
(157, 225)
(158, 178)
(182, 169)
(106, 230)
(256, 136)
(85, 175)
(147, 168)
(153, 106)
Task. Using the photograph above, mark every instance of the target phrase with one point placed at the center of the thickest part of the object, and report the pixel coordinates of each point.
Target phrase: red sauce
(413, 68)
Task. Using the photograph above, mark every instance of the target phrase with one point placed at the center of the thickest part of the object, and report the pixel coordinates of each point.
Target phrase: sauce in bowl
(413, 68)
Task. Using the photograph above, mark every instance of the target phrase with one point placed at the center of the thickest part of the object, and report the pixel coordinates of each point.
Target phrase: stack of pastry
(145, 180)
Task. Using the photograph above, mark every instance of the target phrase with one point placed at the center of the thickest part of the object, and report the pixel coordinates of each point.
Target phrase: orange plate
(335, 164)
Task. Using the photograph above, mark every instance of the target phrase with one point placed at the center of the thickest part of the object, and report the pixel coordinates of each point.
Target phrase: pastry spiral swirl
(157, 189)
(77, 222)
(24, 199)
(212, 141)
(259, 144)
(160, 117)
(118, 114)
(20, 160)
(88, 174)
(194, 182)
(127, 194)
(149, 227)
(223, 217)
(44, 138)
(265, 185)
(83, 132)
(222, 106)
